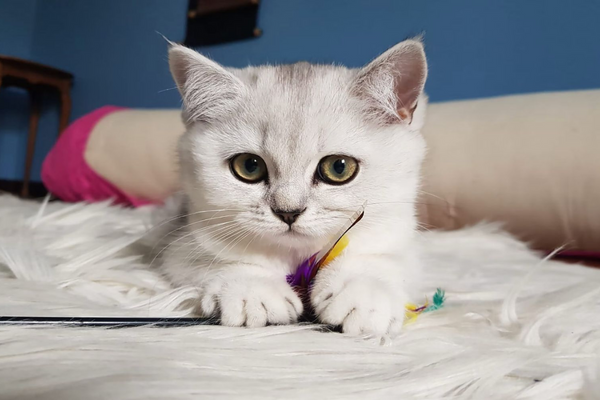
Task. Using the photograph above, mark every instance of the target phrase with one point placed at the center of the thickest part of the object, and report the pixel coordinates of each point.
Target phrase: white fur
(236, 250)
(69, 260)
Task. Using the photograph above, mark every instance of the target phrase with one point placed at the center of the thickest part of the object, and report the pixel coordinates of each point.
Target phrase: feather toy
(302, 279)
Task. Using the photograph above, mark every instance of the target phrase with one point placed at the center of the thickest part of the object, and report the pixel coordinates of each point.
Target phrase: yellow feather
(336, 251)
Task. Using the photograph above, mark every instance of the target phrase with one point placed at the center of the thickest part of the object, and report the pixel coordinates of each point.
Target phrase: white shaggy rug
(514, 327)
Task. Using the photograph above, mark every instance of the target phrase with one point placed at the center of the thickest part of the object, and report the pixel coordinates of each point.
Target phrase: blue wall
(475, 48)
(17, 20)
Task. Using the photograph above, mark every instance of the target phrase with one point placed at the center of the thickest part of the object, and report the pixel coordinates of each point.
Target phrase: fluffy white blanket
(514, 327)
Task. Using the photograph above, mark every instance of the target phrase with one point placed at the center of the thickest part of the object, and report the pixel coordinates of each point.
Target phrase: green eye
(248, 168)
(337, 170)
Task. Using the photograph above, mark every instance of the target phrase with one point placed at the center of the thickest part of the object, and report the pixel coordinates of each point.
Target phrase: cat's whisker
(179, 216)
(220, 235)
(232, 232)
(179, 239)
(216, 234)
(352, 209)
(254, 232)
(432, 195)
(166, 90)
(423, 227)
(204, 229)
(187, 226)
(239, 234)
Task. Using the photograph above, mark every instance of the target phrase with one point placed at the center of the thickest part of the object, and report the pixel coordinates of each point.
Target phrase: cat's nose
(289, 217)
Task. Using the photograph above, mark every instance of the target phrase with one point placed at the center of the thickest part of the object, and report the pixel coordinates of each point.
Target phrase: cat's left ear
(393, 82)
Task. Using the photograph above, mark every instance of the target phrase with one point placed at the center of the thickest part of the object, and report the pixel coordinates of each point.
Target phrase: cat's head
(288, 152)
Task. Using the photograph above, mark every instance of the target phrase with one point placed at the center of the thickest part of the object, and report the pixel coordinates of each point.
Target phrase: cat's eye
(248, 168)
(337, 170)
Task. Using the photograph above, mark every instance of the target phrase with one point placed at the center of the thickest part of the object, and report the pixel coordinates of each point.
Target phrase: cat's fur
(236, 251)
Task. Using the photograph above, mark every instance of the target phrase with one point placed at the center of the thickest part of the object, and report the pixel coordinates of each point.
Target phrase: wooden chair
(36, 78)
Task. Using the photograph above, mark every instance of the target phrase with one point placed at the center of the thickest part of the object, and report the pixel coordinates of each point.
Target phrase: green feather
(438, 300)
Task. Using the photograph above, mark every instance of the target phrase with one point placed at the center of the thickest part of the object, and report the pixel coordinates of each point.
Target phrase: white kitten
(275, 160)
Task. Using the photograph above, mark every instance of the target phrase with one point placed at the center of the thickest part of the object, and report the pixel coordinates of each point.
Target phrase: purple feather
(304, 273)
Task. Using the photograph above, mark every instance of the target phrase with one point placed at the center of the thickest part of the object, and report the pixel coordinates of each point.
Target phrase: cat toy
(413, 311)
(105, 322)
(302, 279)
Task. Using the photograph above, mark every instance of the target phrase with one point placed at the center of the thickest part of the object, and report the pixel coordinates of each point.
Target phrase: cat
(274, 161)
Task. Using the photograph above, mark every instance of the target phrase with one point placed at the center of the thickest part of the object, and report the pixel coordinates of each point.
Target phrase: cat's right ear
(208, 90)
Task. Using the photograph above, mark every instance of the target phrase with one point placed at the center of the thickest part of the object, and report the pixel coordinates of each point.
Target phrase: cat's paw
(248, 300)
(360, 305)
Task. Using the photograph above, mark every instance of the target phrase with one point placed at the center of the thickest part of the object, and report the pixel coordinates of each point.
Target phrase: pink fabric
(66, 174)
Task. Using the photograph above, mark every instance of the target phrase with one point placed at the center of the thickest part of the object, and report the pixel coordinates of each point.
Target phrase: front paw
(247, 300)
(360, 305)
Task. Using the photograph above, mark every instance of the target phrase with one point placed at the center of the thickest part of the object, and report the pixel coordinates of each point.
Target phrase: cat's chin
(298, 240)
(293, 234)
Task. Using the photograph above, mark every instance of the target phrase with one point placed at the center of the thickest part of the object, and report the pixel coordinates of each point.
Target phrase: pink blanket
(67, 175)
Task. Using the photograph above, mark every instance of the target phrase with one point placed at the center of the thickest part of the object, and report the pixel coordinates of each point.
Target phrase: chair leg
(34, 118)
(65, 109)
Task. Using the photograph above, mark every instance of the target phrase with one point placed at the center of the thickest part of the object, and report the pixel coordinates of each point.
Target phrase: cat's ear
(392, 83)
(208, 90)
